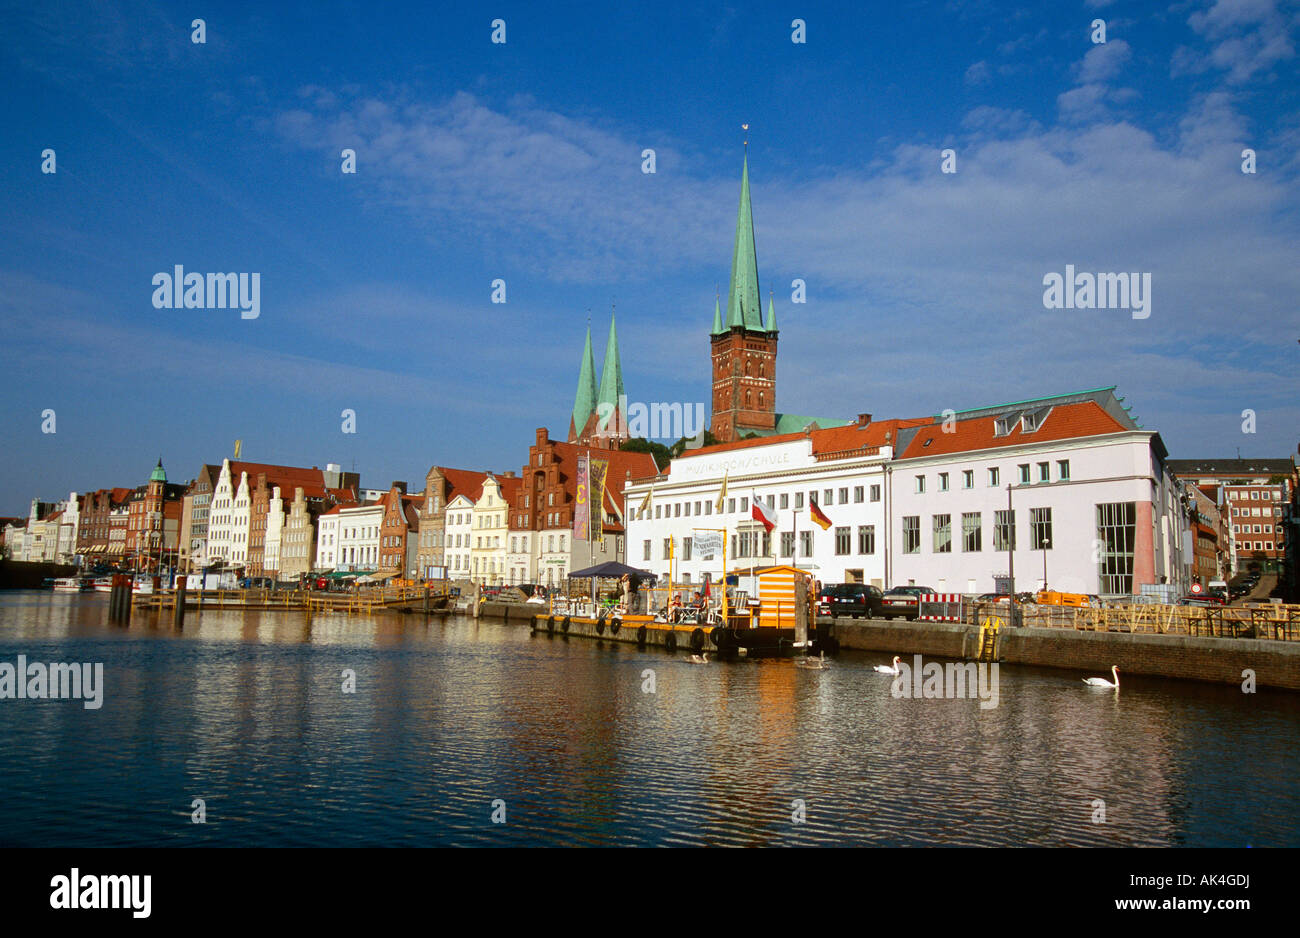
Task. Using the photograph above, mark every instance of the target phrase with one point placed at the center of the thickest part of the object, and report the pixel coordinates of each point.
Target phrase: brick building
(1255, 492)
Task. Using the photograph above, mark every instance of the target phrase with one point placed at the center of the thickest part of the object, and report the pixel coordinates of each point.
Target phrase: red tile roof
(1065, 422)
(463, 482)
(850, 438)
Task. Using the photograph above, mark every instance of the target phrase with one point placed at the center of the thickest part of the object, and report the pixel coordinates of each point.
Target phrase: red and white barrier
(939, 607)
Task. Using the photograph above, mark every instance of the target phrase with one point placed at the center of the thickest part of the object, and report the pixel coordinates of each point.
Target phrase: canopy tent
(343, 575)
(613, 569)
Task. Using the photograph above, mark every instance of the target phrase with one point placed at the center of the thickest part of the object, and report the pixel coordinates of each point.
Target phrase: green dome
(159, 475)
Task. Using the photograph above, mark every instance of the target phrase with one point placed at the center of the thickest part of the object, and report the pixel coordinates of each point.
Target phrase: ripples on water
(245, 710)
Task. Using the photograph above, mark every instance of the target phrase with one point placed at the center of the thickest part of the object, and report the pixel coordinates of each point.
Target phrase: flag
(238, 445)
(817, 516)
(721, 495)
(582, 505)
(597, 469)
(760, 512)
(644, 510)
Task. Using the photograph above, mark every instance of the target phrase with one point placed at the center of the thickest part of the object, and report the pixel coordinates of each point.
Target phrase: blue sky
(522, 161)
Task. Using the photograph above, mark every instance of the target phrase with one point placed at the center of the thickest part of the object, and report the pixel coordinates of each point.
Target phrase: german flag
(817, 516)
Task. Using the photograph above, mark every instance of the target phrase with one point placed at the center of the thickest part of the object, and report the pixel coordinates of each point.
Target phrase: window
(708, 507)
(688, 509)
(731, 506)
(1063, 470)
(843, 541)
(677, 510)
(971, 532)
(866, 539)
(744, 504)
(1002, 426)
(993, 476)
(668, 547)
(920, 485)
(1040, 528)
(828, 497)
(875, 493)
(657, 507)
(1024, 473)
(912, 534)
(787, 543)
(645, 546)
(805, 543)
(686, 548)
(1029, 422)
(1004, 529)
(785, 501)
(968, 478)
(943, 534)
(798, 500)
(943, 482)
(1044, 472)
(844, 497)
(1116, 529)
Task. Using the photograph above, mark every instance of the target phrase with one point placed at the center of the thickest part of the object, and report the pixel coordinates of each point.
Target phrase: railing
(1272, 621)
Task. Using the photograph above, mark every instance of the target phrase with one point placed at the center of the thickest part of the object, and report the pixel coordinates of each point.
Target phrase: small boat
(72, 584)
(104, 584)
(142, 585)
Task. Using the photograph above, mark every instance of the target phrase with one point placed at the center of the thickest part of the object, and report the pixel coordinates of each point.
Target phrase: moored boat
(104, 584)
(72, 584)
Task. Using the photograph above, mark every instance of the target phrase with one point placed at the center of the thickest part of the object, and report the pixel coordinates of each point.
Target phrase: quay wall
(20, 575)
(1216, 660)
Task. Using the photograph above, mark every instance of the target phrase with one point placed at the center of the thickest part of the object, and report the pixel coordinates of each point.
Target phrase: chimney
(508, 475)
(400, 486)
(864, 419)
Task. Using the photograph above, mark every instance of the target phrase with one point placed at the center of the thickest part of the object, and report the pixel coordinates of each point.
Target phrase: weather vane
(745, 128)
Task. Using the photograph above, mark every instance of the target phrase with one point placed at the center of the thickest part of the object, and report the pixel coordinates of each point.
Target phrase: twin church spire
(597, 413)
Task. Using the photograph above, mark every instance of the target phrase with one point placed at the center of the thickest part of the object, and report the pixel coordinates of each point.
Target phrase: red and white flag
(760, 512)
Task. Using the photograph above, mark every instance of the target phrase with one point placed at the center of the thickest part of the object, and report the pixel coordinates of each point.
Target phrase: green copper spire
(159, 474)
(611, 377)
(744, 308)
(771, 315)
(717, 318)
(585, 400)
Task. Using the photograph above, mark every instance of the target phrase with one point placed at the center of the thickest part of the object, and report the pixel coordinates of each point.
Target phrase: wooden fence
(1268, 621)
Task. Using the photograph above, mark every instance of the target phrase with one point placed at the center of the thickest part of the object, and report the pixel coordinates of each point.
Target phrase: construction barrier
(939, 607)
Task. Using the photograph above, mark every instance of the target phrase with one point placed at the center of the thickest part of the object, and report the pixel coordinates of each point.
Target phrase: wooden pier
(311, 602)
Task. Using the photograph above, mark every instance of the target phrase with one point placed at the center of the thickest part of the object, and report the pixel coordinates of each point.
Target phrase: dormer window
(1029, 423)
(1002, 426)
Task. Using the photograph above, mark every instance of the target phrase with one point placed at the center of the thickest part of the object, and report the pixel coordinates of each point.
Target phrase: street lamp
(1046, 544)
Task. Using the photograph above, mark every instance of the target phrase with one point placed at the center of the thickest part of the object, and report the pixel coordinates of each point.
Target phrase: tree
(661, 453)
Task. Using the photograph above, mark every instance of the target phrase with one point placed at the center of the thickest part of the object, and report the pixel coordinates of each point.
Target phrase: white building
(925, 502)
(459, 532)
(274, 525)
(327, 539)
(358, 531)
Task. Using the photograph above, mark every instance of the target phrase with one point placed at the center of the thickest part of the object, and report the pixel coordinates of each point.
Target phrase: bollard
(426, 600)
(178, 612)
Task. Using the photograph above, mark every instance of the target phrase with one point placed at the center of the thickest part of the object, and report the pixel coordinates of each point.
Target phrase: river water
(453, 722)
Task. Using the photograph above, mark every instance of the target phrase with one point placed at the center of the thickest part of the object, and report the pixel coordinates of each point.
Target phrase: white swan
(699, 659)
(1102, 682)
(815, 664)
(889, 668)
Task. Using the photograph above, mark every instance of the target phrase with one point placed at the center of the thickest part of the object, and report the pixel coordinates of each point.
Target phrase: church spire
(584, 403)
(611, 381)
(717, 317)
(771, 314)
(744, 308)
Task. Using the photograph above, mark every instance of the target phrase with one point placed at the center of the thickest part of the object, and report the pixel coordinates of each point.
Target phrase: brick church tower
(743, 345)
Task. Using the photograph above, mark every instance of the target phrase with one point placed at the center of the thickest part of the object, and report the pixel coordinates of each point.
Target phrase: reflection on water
(246, 711)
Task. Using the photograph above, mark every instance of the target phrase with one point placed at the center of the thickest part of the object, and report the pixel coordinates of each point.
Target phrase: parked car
(903, 602)
(850, 599)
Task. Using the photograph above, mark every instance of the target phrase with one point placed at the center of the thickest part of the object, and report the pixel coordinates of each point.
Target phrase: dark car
(903, 602)
(850, 599)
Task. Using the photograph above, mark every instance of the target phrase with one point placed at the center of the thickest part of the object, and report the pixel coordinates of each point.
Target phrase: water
(245, 710)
